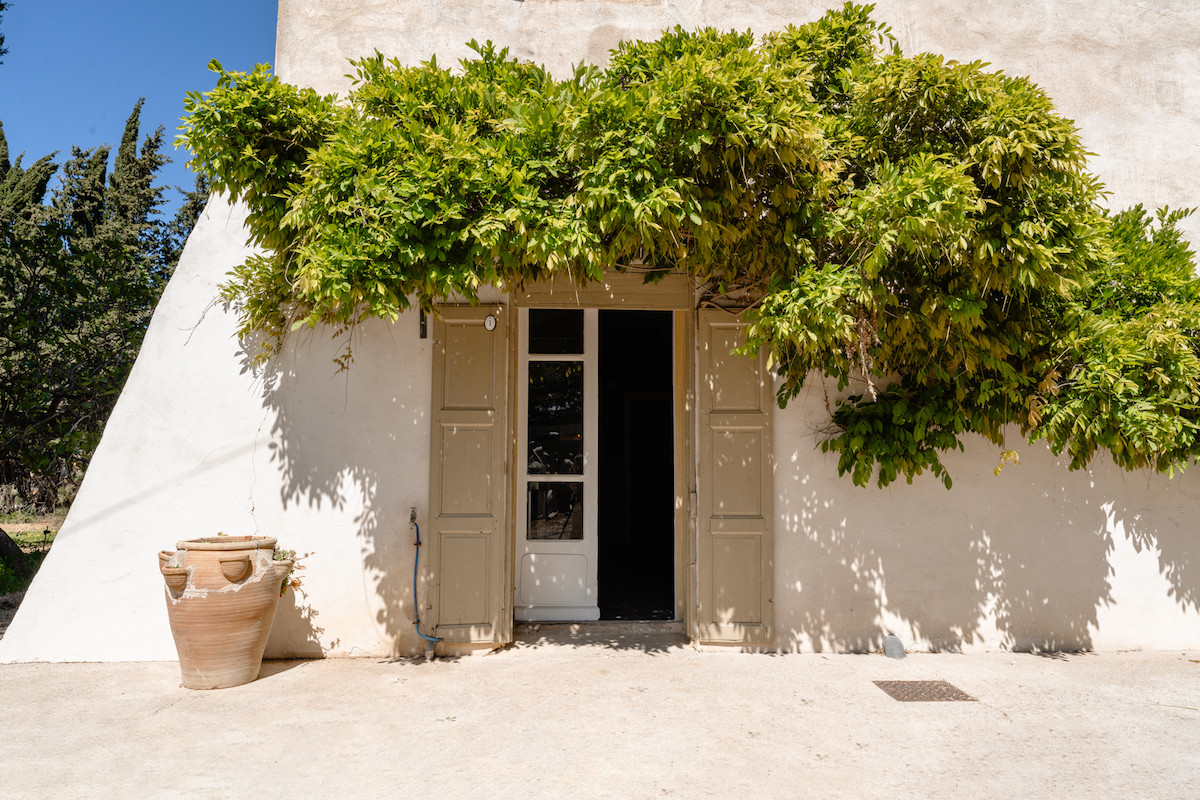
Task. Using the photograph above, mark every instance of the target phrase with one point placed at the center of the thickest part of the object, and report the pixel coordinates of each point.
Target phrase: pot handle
(175, 577)
(282, 568)
(236, 569)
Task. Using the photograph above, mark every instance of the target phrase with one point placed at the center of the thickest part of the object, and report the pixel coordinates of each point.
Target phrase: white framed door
(556, 470)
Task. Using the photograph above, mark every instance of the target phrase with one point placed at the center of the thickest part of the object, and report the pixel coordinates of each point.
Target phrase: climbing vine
(927, 224)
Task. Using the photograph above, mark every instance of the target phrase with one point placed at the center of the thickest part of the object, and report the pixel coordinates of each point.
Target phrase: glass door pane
(555, 418)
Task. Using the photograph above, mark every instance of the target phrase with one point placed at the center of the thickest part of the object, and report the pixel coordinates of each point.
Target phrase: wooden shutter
(467, 475)
(736, 548)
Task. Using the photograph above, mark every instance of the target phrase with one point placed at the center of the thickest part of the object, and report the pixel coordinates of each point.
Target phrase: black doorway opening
(636, 483)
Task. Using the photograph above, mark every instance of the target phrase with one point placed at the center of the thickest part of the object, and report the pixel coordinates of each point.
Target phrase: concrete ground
(609, 714)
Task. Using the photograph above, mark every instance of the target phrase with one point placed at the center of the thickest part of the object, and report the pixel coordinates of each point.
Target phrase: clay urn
(221, 593)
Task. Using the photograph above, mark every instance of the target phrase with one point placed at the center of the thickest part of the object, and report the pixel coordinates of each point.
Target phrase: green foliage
(20, 558)
(922, 223)
(3, 49)
(290, 581)
(14, 579)
(79, 278)
(1128, 377)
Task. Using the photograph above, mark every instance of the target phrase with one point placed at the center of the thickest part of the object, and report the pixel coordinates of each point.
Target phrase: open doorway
(636, 488)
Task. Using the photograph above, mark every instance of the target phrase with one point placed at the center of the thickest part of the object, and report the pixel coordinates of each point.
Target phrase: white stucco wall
(199, 444)
(331, 463)
(1037, 557)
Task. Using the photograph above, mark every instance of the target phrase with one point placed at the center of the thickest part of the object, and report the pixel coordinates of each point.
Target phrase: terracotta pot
(221, 597)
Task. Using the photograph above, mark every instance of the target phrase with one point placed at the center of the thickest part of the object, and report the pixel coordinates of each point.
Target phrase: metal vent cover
(922, 691)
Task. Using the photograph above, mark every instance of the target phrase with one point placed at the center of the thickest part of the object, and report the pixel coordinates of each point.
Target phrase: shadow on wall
(1021, 560)
(351, 449)
(1172, 532)
(295, 631)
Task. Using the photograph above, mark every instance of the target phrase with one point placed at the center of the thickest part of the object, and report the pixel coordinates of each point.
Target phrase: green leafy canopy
(927, 224)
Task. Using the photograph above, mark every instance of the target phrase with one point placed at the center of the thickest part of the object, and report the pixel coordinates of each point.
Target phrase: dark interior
(636, 570)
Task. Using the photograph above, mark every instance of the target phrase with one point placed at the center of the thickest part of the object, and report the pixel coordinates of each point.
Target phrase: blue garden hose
(416, 614)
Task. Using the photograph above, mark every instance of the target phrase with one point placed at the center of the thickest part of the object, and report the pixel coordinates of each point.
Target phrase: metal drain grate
(922, 691)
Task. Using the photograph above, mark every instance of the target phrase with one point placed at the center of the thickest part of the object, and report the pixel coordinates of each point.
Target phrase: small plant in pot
(221, 594)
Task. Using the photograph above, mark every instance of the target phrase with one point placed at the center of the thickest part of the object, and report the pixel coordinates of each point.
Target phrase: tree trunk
(12, 556)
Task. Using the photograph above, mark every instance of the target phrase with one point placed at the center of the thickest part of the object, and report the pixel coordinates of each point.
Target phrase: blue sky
(75, 69)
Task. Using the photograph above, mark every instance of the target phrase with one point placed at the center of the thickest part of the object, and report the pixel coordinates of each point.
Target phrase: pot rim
(227, 543)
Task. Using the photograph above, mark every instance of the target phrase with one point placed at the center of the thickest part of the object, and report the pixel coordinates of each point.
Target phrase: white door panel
(556, 530)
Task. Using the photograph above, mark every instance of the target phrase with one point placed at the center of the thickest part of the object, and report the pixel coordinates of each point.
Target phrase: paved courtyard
(620, 715)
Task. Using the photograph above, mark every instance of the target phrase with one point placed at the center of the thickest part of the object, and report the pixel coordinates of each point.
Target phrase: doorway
(636, 488)
(595, 475)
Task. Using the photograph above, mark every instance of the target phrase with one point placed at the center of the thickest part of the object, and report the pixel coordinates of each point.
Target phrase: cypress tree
(79, 278)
